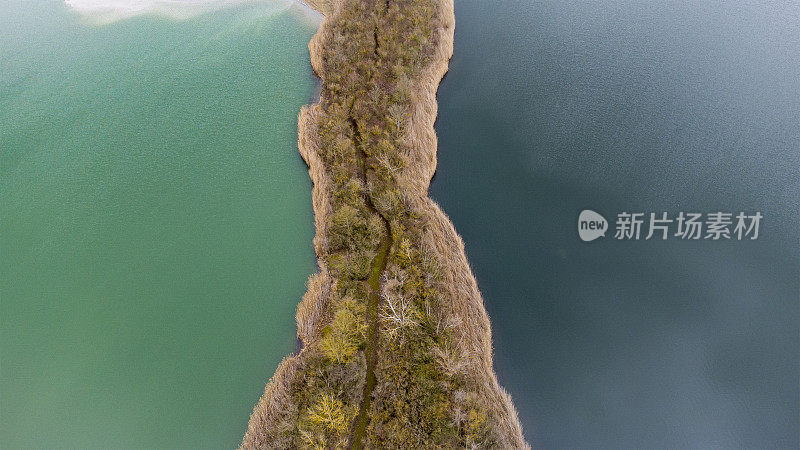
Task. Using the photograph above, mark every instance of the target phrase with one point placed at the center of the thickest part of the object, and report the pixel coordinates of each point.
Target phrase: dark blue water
(550, 108)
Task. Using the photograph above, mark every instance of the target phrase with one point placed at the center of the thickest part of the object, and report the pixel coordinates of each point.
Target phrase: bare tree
(397, 314)
(398, 115)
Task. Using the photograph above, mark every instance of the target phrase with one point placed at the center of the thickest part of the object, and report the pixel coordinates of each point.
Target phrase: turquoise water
(553, 107)
(155, 222)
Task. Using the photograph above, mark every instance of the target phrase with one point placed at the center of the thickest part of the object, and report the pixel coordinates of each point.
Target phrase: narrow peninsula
(396, 344)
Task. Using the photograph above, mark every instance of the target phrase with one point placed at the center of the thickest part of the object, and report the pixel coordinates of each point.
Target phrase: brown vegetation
(397, 344)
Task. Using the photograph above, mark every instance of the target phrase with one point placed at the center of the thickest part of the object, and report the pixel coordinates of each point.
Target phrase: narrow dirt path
(372, 284)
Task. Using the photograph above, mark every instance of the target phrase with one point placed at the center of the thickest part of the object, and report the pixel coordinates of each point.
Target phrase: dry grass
(277, 414)
(311, 310)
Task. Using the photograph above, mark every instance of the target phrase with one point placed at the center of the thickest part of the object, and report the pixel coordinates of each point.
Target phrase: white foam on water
(106, 11)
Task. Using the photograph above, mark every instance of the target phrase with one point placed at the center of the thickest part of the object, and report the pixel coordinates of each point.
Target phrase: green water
(155, 222)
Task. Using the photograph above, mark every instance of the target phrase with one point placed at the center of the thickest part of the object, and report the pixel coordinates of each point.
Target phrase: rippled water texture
(554, 107)
(155, 218)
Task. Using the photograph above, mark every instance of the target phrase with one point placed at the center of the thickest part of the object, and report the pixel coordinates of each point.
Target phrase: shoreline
(459, 297)
(98, 14)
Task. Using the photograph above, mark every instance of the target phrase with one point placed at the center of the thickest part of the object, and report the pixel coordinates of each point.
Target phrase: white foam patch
(105, 11)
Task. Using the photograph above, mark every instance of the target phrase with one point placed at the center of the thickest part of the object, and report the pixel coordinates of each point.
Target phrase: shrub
(345, 335)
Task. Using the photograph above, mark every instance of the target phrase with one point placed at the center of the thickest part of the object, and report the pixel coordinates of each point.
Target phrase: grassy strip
(377, 268)
(398, 345)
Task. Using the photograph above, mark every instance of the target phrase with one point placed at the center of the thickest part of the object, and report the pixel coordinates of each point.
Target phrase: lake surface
(550, 108)
(155, 221)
